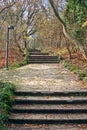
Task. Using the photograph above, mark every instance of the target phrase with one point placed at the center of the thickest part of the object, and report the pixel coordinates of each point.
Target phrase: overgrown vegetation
(6, 100)
(75, 15)
(81, 75)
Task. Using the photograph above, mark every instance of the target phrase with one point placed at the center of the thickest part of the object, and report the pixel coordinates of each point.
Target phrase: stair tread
(44, 55)
(33, 62)
(47, 127)
(41, 56)
(48, 116)
(47, 98)
(38, 53)
(51, 107)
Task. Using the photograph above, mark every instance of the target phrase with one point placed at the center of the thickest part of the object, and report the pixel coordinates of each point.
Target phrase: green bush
(74, 70)
(67, 65)
(81, 75)
(85, 80)
(26, 57)
(6, 100)
(1, 126)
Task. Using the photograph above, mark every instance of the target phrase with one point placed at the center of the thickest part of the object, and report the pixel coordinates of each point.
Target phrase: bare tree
(7, 5)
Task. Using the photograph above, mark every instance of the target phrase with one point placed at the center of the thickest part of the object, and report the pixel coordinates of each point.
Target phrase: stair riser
(36, 62)
(37, 53)
(43, 59)
(34, 51)
(37, 121)
(22, 93)
(50, 102)
(34, 111)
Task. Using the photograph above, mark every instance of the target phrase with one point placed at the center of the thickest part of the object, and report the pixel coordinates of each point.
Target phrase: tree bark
(65, 30)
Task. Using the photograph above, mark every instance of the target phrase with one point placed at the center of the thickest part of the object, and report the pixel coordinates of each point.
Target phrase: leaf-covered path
(48, 77)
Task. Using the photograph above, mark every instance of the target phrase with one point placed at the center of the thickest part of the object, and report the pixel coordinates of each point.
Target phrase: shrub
(67, 65)
(26, 57)
(6, 100)
(81, 75)
(85, 80)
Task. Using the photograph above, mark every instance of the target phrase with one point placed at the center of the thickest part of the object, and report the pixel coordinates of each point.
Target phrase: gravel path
(42, 77)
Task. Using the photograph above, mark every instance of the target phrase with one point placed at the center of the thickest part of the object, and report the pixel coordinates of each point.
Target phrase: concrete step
(48, 118)
(42, 57)
(38, 53)
(49, 111)
(42, 62)
(51, 107)
(47, 127)
(34, 50)
(51, 98)
(39, 100)
(50, 93)
(38, 57)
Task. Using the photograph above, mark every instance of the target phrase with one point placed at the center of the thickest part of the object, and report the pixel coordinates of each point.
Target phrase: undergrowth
(81, 75)
(6, 100)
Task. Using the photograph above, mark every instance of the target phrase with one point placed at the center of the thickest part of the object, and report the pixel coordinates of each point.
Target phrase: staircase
(36, 56)
(48, 107)
(43, 107)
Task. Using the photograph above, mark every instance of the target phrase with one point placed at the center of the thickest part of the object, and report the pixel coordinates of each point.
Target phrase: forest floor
(77, 59)
(43, 77)
(15, 56)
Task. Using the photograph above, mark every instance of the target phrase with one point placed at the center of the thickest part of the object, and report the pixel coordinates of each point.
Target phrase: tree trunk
(65, 31)
(69, 51)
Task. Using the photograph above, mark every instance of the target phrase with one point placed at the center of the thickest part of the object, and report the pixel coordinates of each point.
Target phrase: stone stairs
(36, 56)
(47, 108)
(43, 107)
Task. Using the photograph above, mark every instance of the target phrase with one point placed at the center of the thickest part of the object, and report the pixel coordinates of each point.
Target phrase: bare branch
(6, 7)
